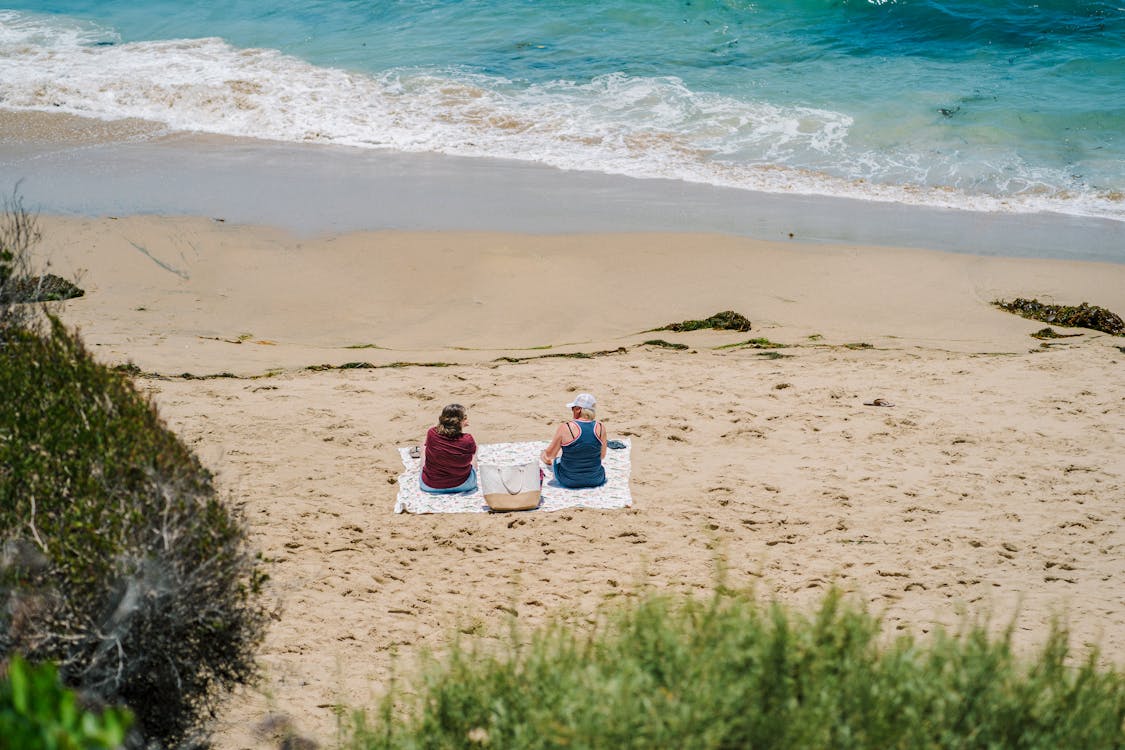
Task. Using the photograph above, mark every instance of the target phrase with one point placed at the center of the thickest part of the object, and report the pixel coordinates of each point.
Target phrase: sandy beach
(990, 489)
(303, 230)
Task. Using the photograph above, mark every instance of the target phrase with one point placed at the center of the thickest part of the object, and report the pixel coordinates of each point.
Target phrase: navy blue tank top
(580, 464)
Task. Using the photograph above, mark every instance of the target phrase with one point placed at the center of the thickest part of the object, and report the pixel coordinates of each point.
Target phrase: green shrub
(38, 713)
(119, 561)
(729, 673)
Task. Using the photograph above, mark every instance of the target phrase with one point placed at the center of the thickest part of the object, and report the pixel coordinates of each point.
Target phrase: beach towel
(611, 495)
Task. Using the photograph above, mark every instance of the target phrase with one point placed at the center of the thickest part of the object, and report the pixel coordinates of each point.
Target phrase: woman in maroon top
(448, 454)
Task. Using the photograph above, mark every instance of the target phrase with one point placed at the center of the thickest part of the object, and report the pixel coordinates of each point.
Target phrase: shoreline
(74, 166)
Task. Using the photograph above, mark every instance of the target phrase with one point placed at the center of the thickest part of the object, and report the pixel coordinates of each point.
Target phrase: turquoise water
(989, 105)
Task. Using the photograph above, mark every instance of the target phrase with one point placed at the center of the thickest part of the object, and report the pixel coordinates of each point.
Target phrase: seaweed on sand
(1080, 316)
(567, 355)
(369, 366)
(665, 344)
(758, 343)
(1051, 333)
(722, 321)
(45, 288)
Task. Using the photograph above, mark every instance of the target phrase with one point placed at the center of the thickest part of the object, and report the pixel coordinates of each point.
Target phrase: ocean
(998, 106)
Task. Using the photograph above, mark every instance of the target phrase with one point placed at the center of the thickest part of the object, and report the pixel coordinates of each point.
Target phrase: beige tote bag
(515, 487)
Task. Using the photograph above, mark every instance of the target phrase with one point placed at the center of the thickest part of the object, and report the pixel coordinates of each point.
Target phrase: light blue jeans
(468, 485)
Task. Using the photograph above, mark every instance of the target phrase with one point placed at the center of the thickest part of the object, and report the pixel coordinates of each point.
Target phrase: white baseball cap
(582, 401)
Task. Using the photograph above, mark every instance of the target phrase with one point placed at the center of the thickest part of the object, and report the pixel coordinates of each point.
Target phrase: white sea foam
(633, 126)
(25, 30)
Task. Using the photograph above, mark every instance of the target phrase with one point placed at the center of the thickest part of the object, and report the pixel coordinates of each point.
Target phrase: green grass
(732, 673)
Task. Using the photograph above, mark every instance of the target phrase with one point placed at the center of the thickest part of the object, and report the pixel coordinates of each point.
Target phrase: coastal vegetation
(37, 711)
(120, 563)
(730, 671)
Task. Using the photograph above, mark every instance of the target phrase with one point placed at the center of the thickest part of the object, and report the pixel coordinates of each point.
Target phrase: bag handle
(515, 476)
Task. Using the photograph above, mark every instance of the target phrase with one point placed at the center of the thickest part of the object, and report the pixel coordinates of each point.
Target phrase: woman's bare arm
(552, 450)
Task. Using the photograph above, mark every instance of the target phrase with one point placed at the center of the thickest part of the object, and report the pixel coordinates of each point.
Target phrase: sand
(990, 489)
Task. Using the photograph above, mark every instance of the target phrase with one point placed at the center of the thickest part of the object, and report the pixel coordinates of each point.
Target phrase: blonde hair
(588, 414)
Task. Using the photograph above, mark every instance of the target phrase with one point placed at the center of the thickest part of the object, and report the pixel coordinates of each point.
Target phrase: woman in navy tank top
(576, 452)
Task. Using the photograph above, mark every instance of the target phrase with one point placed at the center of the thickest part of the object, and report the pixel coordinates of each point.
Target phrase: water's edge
(318, 189)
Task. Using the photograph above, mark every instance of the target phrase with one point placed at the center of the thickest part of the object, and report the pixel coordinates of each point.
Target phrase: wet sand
(73, 166)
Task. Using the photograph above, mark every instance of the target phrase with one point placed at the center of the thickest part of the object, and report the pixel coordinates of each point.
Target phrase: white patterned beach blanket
(611, 495)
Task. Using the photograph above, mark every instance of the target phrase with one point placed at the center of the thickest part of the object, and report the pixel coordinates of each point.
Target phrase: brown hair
(449, 423)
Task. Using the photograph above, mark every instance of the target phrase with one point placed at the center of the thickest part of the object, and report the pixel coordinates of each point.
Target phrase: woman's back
(448, 460)
(580, 464)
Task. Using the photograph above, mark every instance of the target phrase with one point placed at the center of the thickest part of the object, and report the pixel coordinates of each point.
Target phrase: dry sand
(992, 487)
